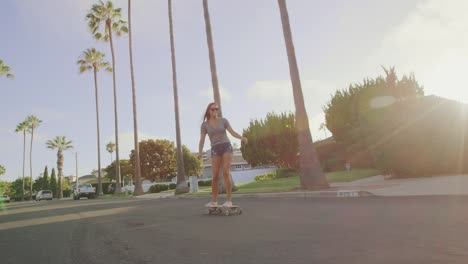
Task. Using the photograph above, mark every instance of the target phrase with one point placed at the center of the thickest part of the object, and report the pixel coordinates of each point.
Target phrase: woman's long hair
(207, 115)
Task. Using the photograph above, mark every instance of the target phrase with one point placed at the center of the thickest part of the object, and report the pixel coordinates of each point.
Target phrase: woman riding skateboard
(221, 150)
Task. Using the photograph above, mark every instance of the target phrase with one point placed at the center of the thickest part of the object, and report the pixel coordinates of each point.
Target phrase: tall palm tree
(60, 143)
(91, 59)
(33, 122)
(110, 147)
(103, 21)
(23, 128)
(214, 81)
(137, 170)
(181, 184)
(312, 176)
(5, 70)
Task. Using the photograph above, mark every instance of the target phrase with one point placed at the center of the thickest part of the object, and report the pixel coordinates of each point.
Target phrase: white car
(44, 195)
(84, 190)
(4, 198)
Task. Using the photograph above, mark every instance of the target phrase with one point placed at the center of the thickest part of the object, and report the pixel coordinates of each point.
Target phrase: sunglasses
(214, 109)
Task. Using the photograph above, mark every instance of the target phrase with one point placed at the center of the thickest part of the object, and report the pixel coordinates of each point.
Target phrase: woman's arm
(236, 135)
(202, 142)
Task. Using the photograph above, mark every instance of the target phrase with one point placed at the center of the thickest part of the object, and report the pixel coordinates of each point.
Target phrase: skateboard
(219, 209)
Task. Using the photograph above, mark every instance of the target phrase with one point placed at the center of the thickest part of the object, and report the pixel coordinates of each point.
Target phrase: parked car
(44, 195)
(4, 198)
(84, 190)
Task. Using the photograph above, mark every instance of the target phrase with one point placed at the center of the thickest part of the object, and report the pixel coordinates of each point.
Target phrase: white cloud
(278, 94)
(432, 42)
(208, 93)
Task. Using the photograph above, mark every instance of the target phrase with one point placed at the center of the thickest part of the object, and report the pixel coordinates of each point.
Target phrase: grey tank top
(217, 135)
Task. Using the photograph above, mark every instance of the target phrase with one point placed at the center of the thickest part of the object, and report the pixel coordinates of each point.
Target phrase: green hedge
(172, 186)
(418, 137)
(158, 188)
(204, 183)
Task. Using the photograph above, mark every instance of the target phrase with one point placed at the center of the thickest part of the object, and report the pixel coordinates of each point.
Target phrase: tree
(126, 170)
(344, 111)
(5, 70)
(192, 165)
(2, 170)
(103, 21)
(158, 159)
(53, 183)
(214, 81)
(137, 173)
(46, 182)
(91, 59)
(23, 127)
(323, 127)
(110, 147)
(33, 122)
(272, 141)
(181, 186)
(38, 183)
(311, 176)
(59, 143)
(16, 188)
(5, 187)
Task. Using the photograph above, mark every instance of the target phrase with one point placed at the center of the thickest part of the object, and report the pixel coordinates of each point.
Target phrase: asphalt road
(270, 230)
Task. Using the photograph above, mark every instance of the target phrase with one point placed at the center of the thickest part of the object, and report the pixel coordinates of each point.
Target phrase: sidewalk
(372, 186)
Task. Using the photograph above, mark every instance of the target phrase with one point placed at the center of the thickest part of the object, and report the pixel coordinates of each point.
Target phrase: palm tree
(181, 184)
(91, 59)
(61, 144)
(312, 176)
(137, 173)
(5, 70)
(103, 21)
(23, 128)
(214, 81)
(110, 147)
(33, 122)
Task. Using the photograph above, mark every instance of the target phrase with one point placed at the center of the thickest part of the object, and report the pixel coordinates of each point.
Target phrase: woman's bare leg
(215, 166)
(227, 157)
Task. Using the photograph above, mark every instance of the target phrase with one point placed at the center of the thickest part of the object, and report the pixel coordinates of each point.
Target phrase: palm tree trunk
(24, 159)
(181, 186)
(98, 132)
(117, 167)
(214, 81)
(312, 176)
(138, 188)
(60, 172)
(30, 164)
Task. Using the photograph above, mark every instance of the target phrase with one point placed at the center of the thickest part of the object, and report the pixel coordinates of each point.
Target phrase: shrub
(158, 188)
(204, 183)
(172, 186)
(285, 173)
(265, 177)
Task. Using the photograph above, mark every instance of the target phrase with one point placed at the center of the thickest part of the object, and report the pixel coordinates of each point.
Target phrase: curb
(304, 194)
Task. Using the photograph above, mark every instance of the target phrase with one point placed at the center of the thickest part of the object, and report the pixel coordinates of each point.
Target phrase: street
(424, 229)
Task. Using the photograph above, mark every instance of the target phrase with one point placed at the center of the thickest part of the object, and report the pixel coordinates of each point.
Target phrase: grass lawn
(288, 184)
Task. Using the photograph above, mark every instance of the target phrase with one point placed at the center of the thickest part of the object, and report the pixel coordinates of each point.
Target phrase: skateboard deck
(219, 209)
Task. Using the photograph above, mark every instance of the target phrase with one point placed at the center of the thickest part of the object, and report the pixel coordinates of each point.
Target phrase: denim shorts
(220, 149)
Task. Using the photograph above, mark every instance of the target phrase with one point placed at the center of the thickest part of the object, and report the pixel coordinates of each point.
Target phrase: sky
(337, 43)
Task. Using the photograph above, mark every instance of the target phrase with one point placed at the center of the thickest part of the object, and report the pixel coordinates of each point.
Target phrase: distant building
(238, 163)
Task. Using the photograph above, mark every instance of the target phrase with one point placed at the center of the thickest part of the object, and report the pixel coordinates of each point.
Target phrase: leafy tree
(192, 165)
(157, 159)
(343, 113)
(5, 70)
(5, 188)
(38, 183)
(93, 60)
(126, 170)
(46, 181)
(110, 147)
(16, 187)
(53, 183)
(104, 20)
(2, 170)
(272, 141)
(60, 143)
